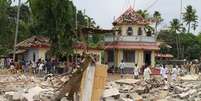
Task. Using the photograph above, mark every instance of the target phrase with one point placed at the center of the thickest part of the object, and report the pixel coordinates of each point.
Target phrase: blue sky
(104, 11)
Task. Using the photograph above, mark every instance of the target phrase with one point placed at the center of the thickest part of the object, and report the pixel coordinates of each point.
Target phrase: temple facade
(131, 42)
(33, 48)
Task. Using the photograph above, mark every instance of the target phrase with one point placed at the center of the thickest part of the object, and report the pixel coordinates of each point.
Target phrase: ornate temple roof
(34, 42)
(131, 17)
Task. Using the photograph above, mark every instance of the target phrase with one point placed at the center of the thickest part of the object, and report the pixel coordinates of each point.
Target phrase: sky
(104, 11)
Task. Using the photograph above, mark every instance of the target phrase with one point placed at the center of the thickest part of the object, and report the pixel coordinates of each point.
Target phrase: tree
(191, 43)
(55, 19)
(143, 13)
(158, 19)
(176, 25)
(190, 18)
(5, 27)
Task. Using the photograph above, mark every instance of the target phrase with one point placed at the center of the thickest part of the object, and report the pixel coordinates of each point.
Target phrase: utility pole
(181, 9)
(76, 31)
(180, 46)
(134, 4)
(17, 28)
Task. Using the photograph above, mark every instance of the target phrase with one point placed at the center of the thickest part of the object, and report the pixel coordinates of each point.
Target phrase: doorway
(147, 58)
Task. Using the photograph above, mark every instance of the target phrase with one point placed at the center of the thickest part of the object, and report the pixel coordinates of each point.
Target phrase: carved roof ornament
(131, 17)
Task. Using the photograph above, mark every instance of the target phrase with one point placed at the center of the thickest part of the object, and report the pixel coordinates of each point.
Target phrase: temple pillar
(139, 57)
(116, 57)
(153, 59)
(105, 57)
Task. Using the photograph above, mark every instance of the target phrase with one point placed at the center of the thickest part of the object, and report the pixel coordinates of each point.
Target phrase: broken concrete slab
(136, 97)
(111, 92)
(186, 94)
(189, 77)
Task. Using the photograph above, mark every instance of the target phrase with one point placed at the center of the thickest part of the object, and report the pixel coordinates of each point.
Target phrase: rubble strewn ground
(20, 87)
(188, 88)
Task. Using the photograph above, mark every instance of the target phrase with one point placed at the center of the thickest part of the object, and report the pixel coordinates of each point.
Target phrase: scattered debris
(153, 90)
(190, 77)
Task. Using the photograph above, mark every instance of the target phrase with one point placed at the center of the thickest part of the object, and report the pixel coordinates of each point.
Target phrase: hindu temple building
(33, 48)
(132, 42)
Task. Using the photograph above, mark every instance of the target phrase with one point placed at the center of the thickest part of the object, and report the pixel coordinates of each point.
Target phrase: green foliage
(158, 18)
(191, 44)
(8, 15)
(55, 19)
(190, 18)
(176, 26)
(143, 13)
(52, 18)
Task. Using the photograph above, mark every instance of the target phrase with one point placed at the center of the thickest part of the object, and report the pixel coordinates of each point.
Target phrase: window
(149, 32)
(110, 56)
(129, 31)
(139, 31)
(129, 55)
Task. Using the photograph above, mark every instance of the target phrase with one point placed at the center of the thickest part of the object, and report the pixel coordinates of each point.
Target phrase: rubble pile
(185, 91)
(30, 88)
(152, 90)
(190, 77)
(132, 90)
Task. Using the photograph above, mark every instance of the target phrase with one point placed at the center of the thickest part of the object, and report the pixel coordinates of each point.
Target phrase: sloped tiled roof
(34, 42)
(130, 17)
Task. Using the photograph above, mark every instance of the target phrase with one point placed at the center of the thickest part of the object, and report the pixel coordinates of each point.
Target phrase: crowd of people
(40, 66)
(166, 72)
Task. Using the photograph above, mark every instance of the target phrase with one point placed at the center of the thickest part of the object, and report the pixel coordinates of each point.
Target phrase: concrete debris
(64, 99)
(113, 92)
(154, 90)
(190, 77)
(30, 88)
(127, 81)
(130, 89)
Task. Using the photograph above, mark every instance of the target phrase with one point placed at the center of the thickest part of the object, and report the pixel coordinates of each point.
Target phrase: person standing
(174, 73)
(121, 66)
(1, 63)
(48, 66)
(34, 65)
(136, 71)
(12, 65)
(164, 72)
(41, 67)
(147, 73)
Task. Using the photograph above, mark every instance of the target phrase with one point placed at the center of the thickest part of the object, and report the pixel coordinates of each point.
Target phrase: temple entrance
(147, 57)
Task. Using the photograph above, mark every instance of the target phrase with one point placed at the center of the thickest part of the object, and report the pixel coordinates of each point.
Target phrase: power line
(150, 6)
(134, 4)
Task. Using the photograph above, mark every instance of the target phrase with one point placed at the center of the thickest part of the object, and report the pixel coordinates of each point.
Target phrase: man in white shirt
(175, 73)
(121, 66)
(136, 71)
(164, 72)
(147, 73)
(41, 66)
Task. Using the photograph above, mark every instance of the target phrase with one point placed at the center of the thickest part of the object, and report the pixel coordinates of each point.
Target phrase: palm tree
(157, 18)
(190, 18)
(175, 26)
(143, 13)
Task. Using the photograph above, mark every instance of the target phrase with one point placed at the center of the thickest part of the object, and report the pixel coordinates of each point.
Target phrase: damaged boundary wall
(93, 83)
